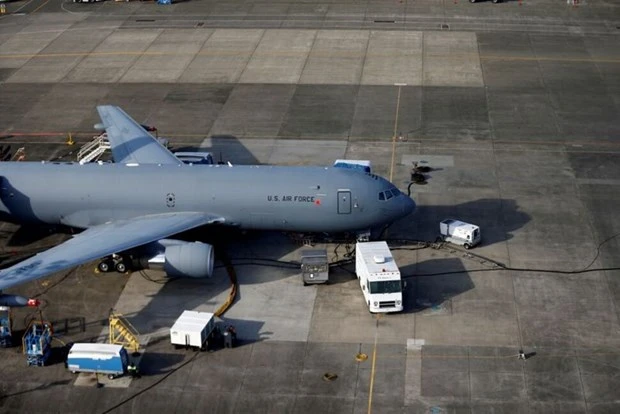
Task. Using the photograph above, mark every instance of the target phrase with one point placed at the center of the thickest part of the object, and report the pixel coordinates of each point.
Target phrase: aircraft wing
(130, 143)
(100, 241)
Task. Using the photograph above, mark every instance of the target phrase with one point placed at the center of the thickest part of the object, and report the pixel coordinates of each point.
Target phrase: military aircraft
(147, 196)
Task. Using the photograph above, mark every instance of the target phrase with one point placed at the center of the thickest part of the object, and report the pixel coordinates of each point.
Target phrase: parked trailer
(192, 330)
(109, 359)
(461, 233)
(379, 277)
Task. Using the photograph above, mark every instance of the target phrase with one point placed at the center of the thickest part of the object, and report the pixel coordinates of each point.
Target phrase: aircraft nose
(408, 205)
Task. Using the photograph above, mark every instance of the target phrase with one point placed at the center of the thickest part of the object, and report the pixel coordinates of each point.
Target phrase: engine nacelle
(183, 259)
(17, 301)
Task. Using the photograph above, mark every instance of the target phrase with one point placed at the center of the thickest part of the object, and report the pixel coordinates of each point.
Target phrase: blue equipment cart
(37, 343)
(6, 334)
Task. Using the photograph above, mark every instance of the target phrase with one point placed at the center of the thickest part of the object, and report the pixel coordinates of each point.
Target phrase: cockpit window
(387, 194)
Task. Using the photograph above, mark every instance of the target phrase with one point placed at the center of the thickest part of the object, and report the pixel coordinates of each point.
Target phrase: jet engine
(16, 301)
(183, 259)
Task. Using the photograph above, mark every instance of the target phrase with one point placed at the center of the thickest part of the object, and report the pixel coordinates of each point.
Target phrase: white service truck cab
(379, 277)
(461, 233)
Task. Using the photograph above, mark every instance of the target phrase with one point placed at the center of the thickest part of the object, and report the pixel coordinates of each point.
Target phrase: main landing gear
(113, 263)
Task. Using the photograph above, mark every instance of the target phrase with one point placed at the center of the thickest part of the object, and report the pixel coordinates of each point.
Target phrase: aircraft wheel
(467, 246)
(120, 267)
(104, 266)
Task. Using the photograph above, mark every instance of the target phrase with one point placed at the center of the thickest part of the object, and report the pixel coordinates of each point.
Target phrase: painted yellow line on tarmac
(395, 129)
(35, 10)
(374, 362)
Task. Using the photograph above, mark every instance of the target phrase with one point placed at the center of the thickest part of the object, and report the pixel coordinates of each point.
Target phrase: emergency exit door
(344, 202)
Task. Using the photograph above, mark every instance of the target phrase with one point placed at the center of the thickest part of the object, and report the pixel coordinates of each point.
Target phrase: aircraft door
(344, 202)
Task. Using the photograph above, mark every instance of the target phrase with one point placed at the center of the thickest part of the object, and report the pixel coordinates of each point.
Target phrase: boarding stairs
(94, 149)
(123, 333)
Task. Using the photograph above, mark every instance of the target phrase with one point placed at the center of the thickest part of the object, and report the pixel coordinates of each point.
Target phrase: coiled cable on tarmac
(419, 244)
(498, 266)
(414, 244)
(153, 385)
(232, 295)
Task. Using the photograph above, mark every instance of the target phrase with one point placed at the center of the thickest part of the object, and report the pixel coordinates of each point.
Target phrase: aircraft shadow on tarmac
(27, 234)
(177, 295)
(497, 219)
(225, 148)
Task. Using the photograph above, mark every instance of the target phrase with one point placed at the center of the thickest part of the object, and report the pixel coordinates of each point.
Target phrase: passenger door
(344, 202)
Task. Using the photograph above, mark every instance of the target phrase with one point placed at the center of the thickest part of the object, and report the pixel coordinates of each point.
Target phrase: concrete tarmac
(515, 106)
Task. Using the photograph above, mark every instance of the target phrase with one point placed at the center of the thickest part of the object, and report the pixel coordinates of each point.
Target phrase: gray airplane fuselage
(300, 199)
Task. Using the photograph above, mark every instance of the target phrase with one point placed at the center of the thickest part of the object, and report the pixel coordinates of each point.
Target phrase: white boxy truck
(192, 330)
(379, 277)
(459, 232)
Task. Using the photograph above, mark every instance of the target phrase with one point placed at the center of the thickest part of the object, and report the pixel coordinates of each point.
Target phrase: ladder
(19, 155)
(94, 149)
(122, 332)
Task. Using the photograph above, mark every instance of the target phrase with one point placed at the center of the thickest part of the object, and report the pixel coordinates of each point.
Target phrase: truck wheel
(111, 376)
(472, 1)
(467, 246)
(121, 267)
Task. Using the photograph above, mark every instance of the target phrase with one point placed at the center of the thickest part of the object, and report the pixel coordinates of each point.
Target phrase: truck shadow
(429, 286)
(154, 363)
